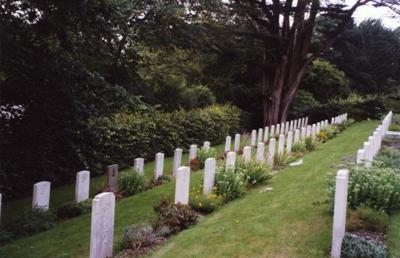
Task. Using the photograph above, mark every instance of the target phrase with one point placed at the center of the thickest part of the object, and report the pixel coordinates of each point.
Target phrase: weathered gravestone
(209, 175)
(102, 225)
(192, 152)
(228, 143)
(182, 185)
(177, 161)
(230, 160)
(253, 137)
(82, 186)
(281, 144)
(112, 177)
(138, 165)
(289, 142)
(247, 153)
(159, 165)
(266, 129)
(237, 142)
(260, 151)
(271, 151)
(206, 146)
(41, 195)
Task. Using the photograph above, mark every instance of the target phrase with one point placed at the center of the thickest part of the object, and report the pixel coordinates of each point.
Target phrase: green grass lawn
(292, 220)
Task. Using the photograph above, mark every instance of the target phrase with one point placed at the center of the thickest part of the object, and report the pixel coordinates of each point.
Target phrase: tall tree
(292, 42)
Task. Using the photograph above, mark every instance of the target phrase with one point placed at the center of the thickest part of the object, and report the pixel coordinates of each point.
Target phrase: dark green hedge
(127, 136)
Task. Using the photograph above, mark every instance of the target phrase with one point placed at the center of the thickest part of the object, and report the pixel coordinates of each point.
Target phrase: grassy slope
(288, 221)
(283, 223)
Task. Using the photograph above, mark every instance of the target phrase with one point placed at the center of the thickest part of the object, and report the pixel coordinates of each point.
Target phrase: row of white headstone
(364, 156)
(102, 226)
(374, 143)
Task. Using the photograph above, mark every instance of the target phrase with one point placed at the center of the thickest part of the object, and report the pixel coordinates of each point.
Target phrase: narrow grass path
(290, 221)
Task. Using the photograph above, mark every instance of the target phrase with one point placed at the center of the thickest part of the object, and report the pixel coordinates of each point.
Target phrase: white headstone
(287, 127)
(138, 165)
(228, 143)
(260, 151)
(177, 161)
(192, 152)
(297, 136)
(206, 146)
(230, 160)
(360, 157)
(367, 150)
(339, 217)
(102, 226)
(272, 130)
(318, 127)
(159, 165)
(209, 175)
(281, 144)
(237, 142)
(41, 195)
(266, 133)
(182, 185)
(271, 151)
(82, 186)
(112, 177)
(303, 133)
(247, 153)
(278, 129)
(313, 131)
(253, 137)
(308, 131)
(282, 128)
(306, 121)
(260, 135)
(289, 142)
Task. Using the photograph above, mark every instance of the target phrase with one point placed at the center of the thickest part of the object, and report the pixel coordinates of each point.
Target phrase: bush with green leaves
(254, 172)
(174, 217)
(127, 135)
(130, 183)
(202, 155)
(73, 209)
(388, 157)
(229, 184)
(375, 187)
(354, 246)
(33, 221)
(330, 131)
(6, 236)
(299, 147)
(204, 203)
(311, 143)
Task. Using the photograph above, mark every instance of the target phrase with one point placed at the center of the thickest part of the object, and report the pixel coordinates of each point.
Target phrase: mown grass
(292, 220)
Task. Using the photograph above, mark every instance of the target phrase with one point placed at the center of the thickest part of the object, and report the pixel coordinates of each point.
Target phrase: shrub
(130, 183)
(127, 135)
(176, 217)
(254, 172)
(330, 131)
(368, 219)
(283, 159)
(376, 187)
(73, 209)
(394, 127)
(388, 157)
(229, 185)
(33, 221)
(203, 155)
(194, 164)
(138, 235)
(299, 147)
(311, 144)
(354, 246)
(322, 136)
(204, 203)
(6, 236)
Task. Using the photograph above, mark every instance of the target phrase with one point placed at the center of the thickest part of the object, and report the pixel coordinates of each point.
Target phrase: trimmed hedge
(125, 136)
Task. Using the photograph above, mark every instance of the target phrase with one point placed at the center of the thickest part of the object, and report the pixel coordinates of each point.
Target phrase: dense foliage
(354, 246)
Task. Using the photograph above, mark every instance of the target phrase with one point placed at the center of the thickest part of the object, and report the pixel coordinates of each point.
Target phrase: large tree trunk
(280, 88)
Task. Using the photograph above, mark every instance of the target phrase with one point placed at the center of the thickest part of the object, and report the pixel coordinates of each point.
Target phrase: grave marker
(177, 161)
(260, 151)
(237, 142)
(289, 142)
(230, 160)
(247, 153)
(112, 177)
(192, 152)
(228, 140)
(271, 151)
(182, 185)
(41, 195)
(159, 165)
(82, 186)
(209, 175)
(138, 165)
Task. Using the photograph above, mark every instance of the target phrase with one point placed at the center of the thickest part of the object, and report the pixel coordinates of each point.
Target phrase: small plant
(254, 172)
(195, 164)
(330, 131)
(176, 217)
(130, 183)
(33, 221)
(299, 147)
(73, 209)
(388, 157)
(283, 159)
(354, 246)
(367, 219)
(138, 235)
(322, 136)
(394, 127)
(203, 155)
(229, 185)
(160, 180)
(310, 143)
(6, 236)
(204, 203)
